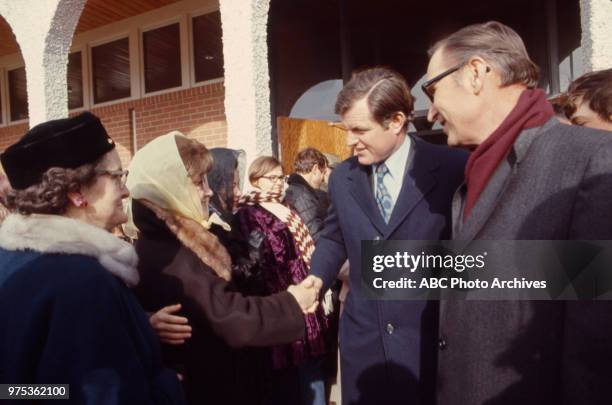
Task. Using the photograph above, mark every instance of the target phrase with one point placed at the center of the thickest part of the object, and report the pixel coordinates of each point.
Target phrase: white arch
(44, 30)
(247, 90)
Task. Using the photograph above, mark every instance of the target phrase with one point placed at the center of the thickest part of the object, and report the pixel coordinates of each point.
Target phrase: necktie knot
(381, 171)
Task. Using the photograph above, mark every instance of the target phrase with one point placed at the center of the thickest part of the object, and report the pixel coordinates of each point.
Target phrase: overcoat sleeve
(240, 320)
(330, 251)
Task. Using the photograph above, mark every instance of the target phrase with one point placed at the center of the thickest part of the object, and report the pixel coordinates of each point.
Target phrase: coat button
(390, 329)
(442, 343)
(377, 237)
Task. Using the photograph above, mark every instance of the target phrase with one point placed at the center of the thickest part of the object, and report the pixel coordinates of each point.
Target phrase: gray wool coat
(555, 184)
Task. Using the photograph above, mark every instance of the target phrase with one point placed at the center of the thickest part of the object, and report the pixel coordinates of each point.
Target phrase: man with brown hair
(528, 178)
(588, 101)
(310, 167)
(394, 187)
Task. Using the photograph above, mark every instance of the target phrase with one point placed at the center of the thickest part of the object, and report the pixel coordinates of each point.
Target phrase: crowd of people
(168, 282)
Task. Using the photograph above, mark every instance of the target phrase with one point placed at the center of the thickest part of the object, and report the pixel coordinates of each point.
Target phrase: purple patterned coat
(280, 267)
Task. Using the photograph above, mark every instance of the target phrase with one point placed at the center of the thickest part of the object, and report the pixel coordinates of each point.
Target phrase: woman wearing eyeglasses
(67, 314)
(297, 375)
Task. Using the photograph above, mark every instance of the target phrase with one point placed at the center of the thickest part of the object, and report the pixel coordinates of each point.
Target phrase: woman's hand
(306, 294)
(171, 329)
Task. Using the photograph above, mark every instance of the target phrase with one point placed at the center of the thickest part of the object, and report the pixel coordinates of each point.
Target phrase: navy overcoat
(388, 348)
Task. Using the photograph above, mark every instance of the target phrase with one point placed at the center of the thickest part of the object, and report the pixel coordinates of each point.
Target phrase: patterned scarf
(271, 201)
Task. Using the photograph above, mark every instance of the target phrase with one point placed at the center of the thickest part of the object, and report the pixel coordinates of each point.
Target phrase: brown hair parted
(387, 94)
(594, 88)
(308, 158)
(496, 43)
(197, 159)
(50, 196)
(262, 166)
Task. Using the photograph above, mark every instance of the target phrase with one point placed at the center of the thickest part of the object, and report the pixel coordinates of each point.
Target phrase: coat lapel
(418, 182)
(493, 192)
(361, 190)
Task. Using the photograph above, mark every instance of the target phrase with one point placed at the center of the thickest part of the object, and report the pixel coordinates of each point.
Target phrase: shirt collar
(396, 163)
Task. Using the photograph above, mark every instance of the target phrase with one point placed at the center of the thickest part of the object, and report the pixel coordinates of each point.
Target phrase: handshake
(307, 293)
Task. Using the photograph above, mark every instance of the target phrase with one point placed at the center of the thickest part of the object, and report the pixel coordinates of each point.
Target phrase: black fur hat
(67, 143)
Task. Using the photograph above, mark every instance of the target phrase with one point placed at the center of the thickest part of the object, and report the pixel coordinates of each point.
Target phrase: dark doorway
(311, 41)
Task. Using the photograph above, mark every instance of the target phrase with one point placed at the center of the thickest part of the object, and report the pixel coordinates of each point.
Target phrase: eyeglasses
(427, 87)
(120, 176)
(274, 178)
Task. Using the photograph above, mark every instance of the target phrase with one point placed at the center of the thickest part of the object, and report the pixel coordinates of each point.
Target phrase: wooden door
(295, 134)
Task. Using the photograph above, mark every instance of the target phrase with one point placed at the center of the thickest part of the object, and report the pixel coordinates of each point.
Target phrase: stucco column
(596, 36)
(247, 91)
(44, 30)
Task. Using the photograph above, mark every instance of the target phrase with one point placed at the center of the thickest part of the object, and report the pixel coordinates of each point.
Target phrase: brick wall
(196, 112)
(9, 134)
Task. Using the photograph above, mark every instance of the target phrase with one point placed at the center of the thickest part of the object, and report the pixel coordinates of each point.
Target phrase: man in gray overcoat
(528, 178)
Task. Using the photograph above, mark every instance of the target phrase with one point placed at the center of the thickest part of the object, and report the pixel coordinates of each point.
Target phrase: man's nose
(125, 192)
(432, 114)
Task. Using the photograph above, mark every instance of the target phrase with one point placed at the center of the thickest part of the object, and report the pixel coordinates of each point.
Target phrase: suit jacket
(385, 346)
(556, 183)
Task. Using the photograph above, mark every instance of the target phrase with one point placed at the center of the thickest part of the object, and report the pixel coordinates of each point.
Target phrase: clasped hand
(307, 293)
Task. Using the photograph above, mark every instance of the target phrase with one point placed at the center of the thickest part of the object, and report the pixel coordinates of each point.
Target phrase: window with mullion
(18, 94)
(207, 47)
(162, 58)
(111, 71)
(75, 80)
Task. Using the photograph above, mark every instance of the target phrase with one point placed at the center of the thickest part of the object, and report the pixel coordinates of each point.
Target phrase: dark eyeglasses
(273, 178)
(427, 87)
(120, 176)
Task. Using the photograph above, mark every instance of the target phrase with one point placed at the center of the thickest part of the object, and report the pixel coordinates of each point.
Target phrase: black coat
(222, 320)
(303, 199)
(66, 320)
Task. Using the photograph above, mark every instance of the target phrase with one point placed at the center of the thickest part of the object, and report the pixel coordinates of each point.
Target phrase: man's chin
(451, 139)
(365, 160)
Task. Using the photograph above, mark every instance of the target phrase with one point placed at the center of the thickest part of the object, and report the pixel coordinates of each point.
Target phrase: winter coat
(68, 317)
(304, 200)
(172, 271)
(280, 266)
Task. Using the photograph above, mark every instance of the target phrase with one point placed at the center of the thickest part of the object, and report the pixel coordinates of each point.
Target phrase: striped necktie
(383, 198)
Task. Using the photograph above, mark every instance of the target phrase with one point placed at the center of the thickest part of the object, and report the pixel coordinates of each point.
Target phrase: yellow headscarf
(157, 174)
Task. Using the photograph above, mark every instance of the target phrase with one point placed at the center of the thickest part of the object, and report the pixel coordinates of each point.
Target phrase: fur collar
(196, 238)
(58, 234)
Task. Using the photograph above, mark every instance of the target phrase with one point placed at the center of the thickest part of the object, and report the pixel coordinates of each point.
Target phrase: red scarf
(532, 110)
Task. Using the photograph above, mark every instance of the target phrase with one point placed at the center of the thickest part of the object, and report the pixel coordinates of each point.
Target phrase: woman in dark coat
(67, 314)
(286, 250)
(181, 261)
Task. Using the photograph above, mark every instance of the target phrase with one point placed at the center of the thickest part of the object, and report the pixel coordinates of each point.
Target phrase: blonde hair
(262, 166)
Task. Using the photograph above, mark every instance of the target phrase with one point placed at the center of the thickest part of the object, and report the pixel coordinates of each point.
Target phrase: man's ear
(477, 68)
(397, 121)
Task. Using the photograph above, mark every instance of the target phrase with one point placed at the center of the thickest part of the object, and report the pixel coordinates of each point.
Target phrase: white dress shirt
(396, 163)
